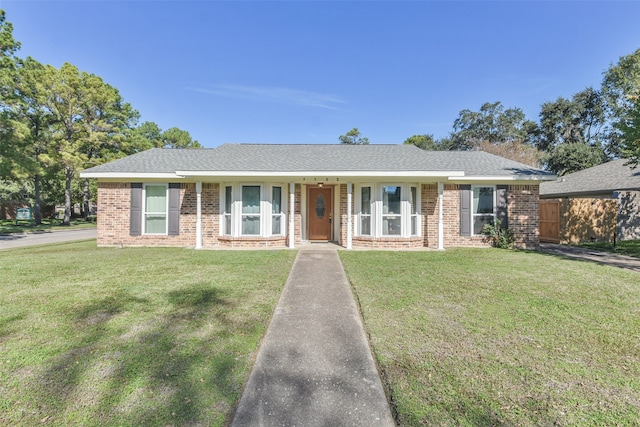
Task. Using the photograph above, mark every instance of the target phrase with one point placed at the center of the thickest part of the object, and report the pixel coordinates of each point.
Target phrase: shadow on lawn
(144, 375)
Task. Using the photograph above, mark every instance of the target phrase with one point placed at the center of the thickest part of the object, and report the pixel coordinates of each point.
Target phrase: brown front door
(320, 213)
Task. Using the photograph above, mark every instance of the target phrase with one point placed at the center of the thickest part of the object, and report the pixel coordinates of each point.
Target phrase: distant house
(359, 196)
(594, 204)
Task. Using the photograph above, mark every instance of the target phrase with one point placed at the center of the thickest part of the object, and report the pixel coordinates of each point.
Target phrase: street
(15, 240)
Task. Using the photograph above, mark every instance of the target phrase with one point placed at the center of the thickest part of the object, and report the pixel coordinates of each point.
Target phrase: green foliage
(178, 138)
(621, 83)
(13, 191)
(580, 119)
(571, 157)
(621, 86)
(493, 124)
(425, 142)
(499, 236)
(353, 137)
(630, 133)
(55, 122)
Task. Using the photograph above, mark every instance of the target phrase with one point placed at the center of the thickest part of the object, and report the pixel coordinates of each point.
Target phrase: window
(415, 211)
(251, 210)
(155, 209)
(276, 210)
(483, 208)
(391, 210)
(365, 211)
(227, 209)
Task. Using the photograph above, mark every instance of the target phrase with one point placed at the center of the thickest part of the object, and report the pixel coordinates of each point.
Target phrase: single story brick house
(595, 204)
(358, 196)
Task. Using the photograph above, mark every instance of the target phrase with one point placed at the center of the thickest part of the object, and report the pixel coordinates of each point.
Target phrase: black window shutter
(502, 203)
(135, 220)
(174, 209)
(465, 210)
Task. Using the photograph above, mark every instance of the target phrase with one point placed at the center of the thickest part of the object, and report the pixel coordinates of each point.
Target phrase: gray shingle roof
(601, 179)
(271, 158)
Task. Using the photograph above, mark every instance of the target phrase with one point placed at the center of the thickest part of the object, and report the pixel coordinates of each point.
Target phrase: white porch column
(349, 219)
(199, 215)
(440, 216)
(292, 215)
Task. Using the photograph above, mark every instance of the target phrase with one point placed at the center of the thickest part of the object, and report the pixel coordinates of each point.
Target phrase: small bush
(499, 236)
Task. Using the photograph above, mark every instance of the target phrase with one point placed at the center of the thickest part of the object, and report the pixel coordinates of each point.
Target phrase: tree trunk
(67, 197)
(85, 199)
(37, 212)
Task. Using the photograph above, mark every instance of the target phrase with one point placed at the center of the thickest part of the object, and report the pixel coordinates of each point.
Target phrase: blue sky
(309, 71)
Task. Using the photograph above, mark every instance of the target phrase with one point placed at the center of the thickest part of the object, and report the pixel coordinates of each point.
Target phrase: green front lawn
(131, 336)
(480, 337)
(624, 247)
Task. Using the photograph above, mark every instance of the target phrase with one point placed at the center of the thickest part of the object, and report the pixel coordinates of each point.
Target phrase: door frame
(311, 209)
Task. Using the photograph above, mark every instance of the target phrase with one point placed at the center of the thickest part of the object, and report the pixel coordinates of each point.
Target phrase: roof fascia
(128, 175)
(519, 178)
(310, 174)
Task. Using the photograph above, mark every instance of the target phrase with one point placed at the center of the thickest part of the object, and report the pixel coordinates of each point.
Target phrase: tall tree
(572, 157)
(492, 124)
(426, 142)
(621, 89)
(178, 138)
(88, 114)
(629, 128)
(571, 126)
(10, 152)
(28, 107)
(353, 137)
(514, 150)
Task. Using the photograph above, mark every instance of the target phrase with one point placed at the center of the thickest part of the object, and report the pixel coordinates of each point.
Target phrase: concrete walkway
(605, 258)
(314, 367)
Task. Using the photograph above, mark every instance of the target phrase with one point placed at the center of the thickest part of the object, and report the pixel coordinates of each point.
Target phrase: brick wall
(210, 207)
(344, 218)
(430, 215)
(629, 217)
(524, 215)
(298, 215)
(114, 202)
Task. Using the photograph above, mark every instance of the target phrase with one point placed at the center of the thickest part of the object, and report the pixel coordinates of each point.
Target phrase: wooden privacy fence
(550, 221)
(578, 219)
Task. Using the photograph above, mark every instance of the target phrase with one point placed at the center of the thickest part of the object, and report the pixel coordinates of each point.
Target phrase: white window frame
(401, 215)
(227, 211)
(414, 211)
(259, 215)
(474, 214)
(266, 215)
(370, 215)
(280, 214)
(408, 213)
(145, 213)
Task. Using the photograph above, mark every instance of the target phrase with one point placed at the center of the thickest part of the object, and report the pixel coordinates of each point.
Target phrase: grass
(479, 337)
(140, 336)
(10, 226)
(624, 247)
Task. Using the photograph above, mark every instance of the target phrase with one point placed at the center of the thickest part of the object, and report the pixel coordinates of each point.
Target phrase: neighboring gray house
(593, 204)
(263, 195)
